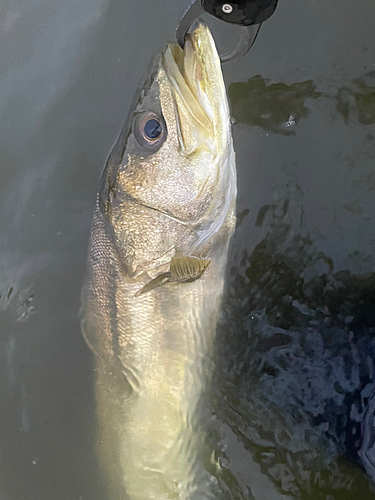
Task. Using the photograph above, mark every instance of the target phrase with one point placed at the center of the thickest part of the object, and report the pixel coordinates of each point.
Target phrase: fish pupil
(152, 129)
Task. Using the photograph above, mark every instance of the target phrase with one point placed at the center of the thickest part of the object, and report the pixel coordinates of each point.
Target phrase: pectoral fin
(186, 269)
(158, 281)
(183, 269)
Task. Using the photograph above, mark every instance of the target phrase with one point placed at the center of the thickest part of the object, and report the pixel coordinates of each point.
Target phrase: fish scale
(152, 350)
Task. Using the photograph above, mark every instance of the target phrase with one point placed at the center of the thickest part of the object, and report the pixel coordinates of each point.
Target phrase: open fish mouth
(202, 111)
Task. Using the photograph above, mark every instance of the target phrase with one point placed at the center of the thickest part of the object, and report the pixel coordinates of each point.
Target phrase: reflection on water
(358, 99)
(296, 352)
(276, 107)
(301, 343)
(273, 106)
(296, 345)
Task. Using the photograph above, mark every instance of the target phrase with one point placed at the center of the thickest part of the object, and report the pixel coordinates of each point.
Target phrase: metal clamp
(195, 10)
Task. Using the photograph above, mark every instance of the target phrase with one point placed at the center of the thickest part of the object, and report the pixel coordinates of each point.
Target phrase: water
(290, 409)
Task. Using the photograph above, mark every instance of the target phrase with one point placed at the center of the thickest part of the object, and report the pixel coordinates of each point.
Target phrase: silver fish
(164, 216)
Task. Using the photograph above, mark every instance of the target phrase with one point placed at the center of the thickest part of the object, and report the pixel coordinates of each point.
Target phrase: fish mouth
(194, 73)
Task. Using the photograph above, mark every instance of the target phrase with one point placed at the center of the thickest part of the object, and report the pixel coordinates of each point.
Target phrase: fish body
(163, 220)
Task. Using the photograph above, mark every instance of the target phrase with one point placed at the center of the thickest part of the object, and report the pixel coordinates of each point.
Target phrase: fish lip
(190, 72)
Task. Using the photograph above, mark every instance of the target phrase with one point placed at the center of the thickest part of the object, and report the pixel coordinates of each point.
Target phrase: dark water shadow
(295, 358)
(275, 107)
(278, 107)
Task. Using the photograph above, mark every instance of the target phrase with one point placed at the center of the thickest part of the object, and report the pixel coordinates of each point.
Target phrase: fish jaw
(198, 88)
(203, 126)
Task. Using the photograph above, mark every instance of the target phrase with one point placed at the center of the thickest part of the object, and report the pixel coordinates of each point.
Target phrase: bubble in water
(290, 122)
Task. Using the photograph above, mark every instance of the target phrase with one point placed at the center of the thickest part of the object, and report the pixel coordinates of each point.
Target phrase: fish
(158, 249)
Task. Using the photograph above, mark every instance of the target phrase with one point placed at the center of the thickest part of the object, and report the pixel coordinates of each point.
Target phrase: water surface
(290, 410)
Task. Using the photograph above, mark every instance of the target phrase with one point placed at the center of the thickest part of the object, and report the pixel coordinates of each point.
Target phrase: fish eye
(150, 130)
(153, 129)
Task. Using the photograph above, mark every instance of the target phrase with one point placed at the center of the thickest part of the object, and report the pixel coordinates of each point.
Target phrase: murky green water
(290, 410)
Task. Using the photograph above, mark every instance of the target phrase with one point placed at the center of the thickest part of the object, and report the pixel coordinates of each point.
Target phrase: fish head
(169, 180)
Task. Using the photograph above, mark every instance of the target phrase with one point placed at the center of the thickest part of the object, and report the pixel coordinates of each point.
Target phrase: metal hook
(248, 37)
(194, 10)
